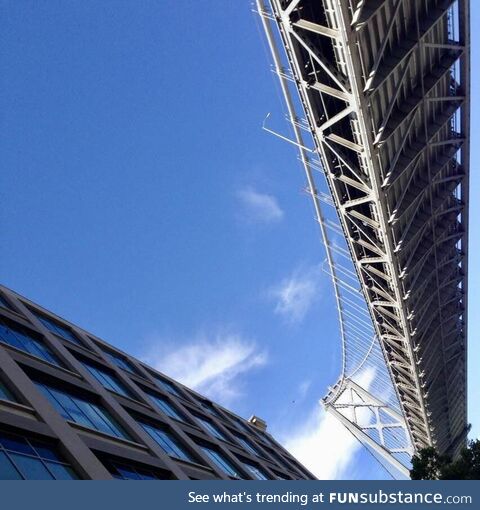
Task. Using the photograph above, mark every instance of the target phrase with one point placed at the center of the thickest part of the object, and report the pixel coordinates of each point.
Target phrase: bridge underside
(384, 85)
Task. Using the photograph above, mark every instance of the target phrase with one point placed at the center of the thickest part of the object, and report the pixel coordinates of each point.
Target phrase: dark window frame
(54, 326)
(83, 411)
(35, 450)
(21, 333)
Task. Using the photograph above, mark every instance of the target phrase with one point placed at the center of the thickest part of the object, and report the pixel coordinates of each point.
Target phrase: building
(73, 406)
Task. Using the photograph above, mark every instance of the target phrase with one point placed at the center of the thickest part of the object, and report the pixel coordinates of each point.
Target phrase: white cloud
(259, 207)
(212, 366)
(295, 295)
(303, 388)
(323, 444)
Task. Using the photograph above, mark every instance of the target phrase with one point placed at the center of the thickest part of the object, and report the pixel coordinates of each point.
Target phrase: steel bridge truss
(384, 88)
(374, 422)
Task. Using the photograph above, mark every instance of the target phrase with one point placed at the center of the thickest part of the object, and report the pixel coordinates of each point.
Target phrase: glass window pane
(168, 443)
(5, 393)
(246, 444)
(16, 444)
(22, 457)
(43, 321)
(7, 469)
(116, 429)
(117, 386)
(127, 474)
(210, 427)
(45, 451)
(4, 303)
(94, 418)
(45, 353)
(165, 442)
(166, 407)
(51, 398)
(221, 462)
(107, 380)
(21, 339)
(7, 336)
(168, 386)
(83, 412)
(68, 335)
(145, 476)
(58, 329)
(209, 408)
(120, 362)
(62, 472)
(102, 419)
(70, 406)
(112, 384)
(31, 346)
(241, 424)
(256, 472)
(31, 469)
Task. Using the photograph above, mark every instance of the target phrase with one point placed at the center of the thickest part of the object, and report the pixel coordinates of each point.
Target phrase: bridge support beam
(376, 424)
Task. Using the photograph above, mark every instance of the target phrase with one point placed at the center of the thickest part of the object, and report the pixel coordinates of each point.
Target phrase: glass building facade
(74, 407)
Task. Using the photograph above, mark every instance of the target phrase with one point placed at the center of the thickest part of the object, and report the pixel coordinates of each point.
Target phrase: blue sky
(142, 201)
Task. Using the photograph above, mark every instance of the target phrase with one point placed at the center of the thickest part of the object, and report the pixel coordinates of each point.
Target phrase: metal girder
(402, 112)
(416, 188)
(373, 422)
(407, 44)
(365, 10)
(389, 127)
(408, 156)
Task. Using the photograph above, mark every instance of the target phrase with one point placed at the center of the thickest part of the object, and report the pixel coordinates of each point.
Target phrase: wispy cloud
(323, 444)
(295, 295)
(214, 365)
(303, 388)
(259, 207)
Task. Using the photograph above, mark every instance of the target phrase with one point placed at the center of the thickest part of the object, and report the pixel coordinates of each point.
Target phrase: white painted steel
(384, 88)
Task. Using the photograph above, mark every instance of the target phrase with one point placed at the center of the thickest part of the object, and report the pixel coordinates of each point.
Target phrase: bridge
(377, 96)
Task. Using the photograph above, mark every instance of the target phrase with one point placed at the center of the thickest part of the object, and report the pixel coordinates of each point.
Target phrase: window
(54, 327)
(5, 393)
(107, 380)
(81, 411)
(212, 429)
(5, 303)
(169, 443)
(247, 445)
(256, 472)
(166, 407)
(120, 362)
(264, 438)
(241, 424)
(277, 457)
(22, 339)
(209, 408)
(124, 472)
(23, 458)
(220, 461)
(168, 386)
